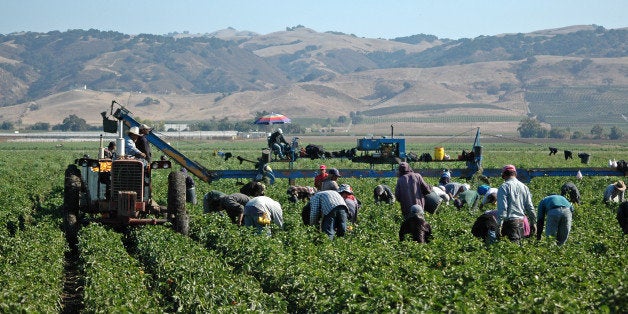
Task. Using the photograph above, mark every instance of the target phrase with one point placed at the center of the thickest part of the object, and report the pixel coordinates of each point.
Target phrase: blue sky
(365, 18)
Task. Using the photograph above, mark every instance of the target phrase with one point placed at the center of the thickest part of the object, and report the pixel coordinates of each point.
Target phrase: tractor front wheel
(71, 201)
(176, 202)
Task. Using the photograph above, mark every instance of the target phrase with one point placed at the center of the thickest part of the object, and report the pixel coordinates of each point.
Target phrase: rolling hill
(421, 83)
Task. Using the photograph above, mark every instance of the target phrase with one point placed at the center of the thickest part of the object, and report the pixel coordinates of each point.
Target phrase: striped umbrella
(273, 118)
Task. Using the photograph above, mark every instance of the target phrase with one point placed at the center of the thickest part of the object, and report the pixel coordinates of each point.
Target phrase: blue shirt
(551, 202)
(129, 147)
(514, 201)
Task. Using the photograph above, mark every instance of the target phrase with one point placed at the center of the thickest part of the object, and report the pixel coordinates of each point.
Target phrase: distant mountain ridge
(230, 74)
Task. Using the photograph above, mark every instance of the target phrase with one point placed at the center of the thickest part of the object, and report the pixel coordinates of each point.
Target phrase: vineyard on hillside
(220, 267)
(579, 107)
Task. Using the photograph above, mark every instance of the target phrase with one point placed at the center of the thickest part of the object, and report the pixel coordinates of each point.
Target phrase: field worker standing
(260, 211)
(330, 183)
(415, 225)
(615, 192)
(410, 189)
(558, 211)
(514, 201)
(320, 177)
(333, 209)
(142, 142)
(570, 190)
(190, 189)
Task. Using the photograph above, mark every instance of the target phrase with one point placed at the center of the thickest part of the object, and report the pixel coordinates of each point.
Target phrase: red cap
(509, 168)
(323, 167)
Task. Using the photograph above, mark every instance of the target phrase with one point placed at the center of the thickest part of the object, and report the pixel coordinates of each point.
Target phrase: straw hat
(620, 185)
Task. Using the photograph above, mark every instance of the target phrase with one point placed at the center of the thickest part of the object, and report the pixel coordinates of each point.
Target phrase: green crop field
(220, 267)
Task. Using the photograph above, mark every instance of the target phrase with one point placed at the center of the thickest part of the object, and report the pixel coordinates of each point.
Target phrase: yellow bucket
(439, 153)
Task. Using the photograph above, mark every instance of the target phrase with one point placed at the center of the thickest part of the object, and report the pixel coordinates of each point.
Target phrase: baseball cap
(323, 167)
(334, 172)
(509, 168)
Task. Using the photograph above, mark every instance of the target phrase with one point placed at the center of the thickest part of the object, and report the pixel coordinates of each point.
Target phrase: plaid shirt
(323, 202)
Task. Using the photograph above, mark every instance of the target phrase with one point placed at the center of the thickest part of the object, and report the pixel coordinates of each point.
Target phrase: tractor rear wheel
(71, 200)
(176, 202)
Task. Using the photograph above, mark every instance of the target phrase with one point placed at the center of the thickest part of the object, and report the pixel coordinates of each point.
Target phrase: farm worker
(190, 189)
(493, 213)
(129, 143)
(415, 225)
(330, 183)
(489, 199)
(383, 193)
(571, 190)
(142, 142)
(622, 216)
(514, 202)
(489, 195)
(211, 201)
(260, 211)
(615, 192)
(558, 211)
(277, 142)
(485, 227)
(332, 208)
(353, 204)
(440, 191)
(410, 189)
(468, 198)
(110, 152)
(454, 188)
(234, 204)
(322, 175)
(445, 177)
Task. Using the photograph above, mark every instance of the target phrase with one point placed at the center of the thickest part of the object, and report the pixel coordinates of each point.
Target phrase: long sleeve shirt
(322, 204)
(129, 147)
(514, 201)
(410, 190)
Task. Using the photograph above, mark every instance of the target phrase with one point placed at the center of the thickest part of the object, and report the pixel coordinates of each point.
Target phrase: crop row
(193, 279)
(222, 267)
(113, 280)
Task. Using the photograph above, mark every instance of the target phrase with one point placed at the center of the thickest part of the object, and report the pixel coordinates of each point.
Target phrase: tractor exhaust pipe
(392, 131)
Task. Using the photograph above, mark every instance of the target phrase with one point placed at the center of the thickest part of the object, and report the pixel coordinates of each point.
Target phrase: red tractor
(118, 192)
